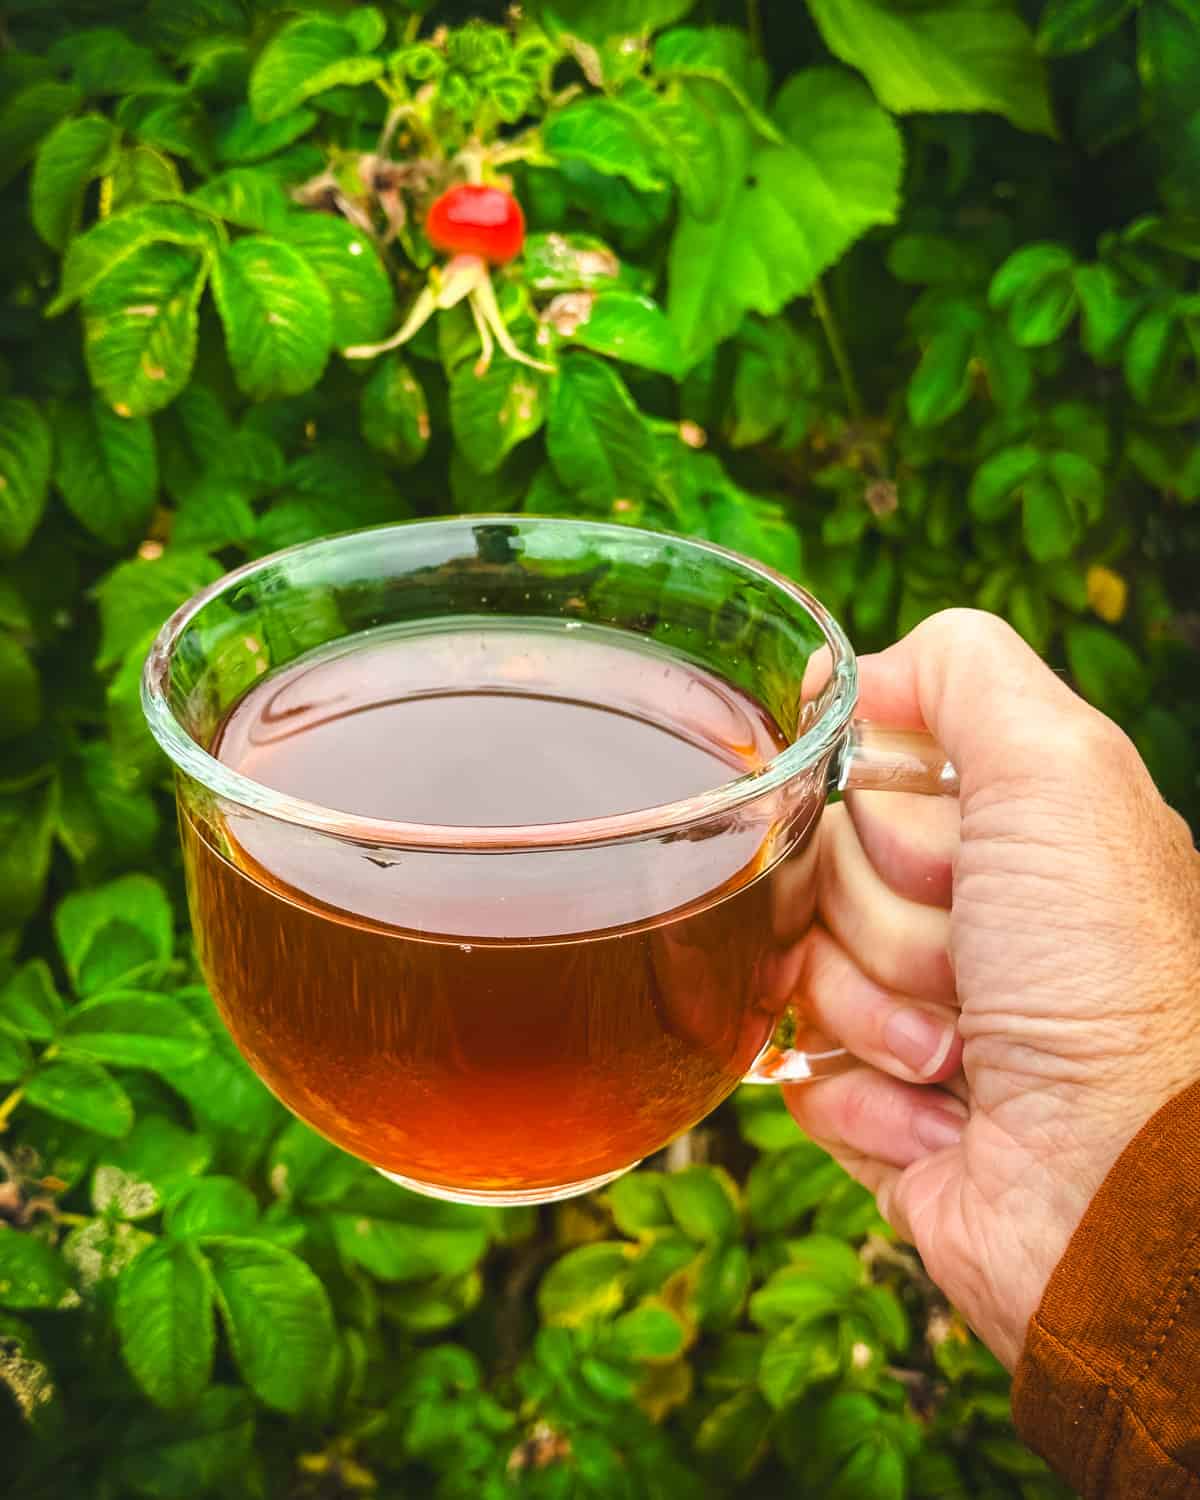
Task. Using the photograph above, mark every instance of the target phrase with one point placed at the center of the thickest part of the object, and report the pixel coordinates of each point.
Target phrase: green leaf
(174, 122)
(965, 56)
(15, 1056)
(600, 20)
(787, 1184)
(227, 1101)
(722, 1280)
(20, 689)
(398, 1237)
(159, 1152)
(307, 1168)
(393, 412)
(733, 1436)
(595, 436)
(137, 596)
(180, 1455)
(243, 138)
(1107, 671)
(31, 1273)
(105, 61)
(625, 326)
(1108, 311)
(1150, 351)
(649, 1331)
(164, 1318)
(306, 57)
(828, 1260)
(134, 1029)
(585, 1284)
(27, 116)
(247, 196)
(884, 1311)
(722, 55)
(995, 488)
(1040, 313)
(100, 250)
(91, 927)
(216, 512)
(1050, 524)
(1008, 368)
(609, 138)
(790, 211)
(30, 1002)
(936, 260)
(140, 325)
(82, 1093)
(359, 287)
(1029, 613)
(143, 175)
(797, 1358)
(1166, 745)
(72, 155)
(277, 315)
(941, 383)
(1168, 64)
(493, 412)
(795, 1295)
(106, 468)
(764, 1119)
(778, 370)
(105, 820)
(278, 1320)
(1080, 481)
(25, 456)
(638, 1204)
(1026, 268)
(703, 1202)
(212, 1205)
(1067, 26)
(27, 822)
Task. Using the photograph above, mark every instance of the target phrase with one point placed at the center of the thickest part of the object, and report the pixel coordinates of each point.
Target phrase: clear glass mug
(516, 1014)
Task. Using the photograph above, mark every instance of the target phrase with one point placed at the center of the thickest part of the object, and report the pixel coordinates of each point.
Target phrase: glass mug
(515, 1014)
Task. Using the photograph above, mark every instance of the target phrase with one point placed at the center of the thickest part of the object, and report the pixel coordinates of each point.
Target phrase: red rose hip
(474, 220)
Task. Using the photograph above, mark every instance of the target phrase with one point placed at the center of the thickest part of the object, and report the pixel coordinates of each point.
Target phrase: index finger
(980, 690)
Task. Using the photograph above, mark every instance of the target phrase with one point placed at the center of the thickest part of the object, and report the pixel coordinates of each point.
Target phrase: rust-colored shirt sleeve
(1108, 1386)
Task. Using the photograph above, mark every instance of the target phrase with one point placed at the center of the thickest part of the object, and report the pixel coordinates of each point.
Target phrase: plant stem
(837, 348)
(9, 1104)
(754, 27)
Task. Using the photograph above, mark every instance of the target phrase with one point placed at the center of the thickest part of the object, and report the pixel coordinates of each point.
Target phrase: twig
(837, 348)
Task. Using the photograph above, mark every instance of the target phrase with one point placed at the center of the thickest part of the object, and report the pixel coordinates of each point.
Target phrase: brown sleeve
(1108, 1386)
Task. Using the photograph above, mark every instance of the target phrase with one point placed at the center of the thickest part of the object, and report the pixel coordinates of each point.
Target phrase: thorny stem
(837, 348)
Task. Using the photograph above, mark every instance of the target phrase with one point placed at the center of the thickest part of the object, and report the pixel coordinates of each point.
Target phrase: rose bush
(897, 295)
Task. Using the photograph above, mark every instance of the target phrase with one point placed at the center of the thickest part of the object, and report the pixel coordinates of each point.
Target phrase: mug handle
(872, 759)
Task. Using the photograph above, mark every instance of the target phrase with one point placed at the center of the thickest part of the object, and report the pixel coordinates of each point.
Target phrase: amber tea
(467, 1021)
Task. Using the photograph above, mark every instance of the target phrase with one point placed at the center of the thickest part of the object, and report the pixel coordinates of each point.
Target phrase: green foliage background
(899, 296)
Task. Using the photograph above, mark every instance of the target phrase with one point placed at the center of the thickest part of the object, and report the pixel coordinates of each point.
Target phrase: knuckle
(972, 631)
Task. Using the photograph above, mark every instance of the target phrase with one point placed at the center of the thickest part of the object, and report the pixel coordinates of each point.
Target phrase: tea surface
(492, 1022)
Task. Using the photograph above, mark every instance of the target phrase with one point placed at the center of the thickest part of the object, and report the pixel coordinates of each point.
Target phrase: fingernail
(938, 1128)
(918, 1041)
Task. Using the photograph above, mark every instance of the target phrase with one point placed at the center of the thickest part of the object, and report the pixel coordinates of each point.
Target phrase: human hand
(1058, 925)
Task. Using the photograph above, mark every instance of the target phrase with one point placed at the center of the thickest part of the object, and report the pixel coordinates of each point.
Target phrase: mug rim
(188, 756)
